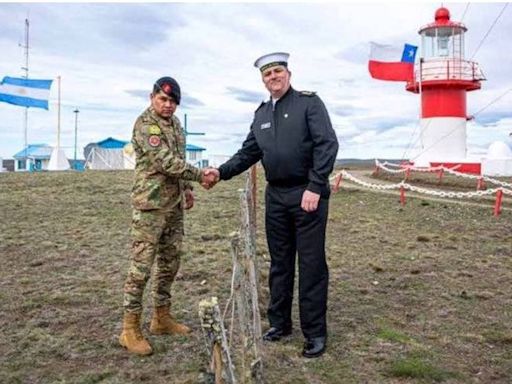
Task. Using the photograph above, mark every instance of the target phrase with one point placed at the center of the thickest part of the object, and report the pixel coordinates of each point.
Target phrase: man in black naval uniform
(293, 137)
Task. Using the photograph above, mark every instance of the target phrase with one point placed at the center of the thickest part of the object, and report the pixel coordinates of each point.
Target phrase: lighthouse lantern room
(442, 78)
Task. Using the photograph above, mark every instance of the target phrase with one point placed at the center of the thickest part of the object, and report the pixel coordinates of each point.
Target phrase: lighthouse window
(442, 44)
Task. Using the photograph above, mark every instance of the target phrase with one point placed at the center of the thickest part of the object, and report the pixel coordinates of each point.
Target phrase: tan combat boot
(131, 338)
(164, 323)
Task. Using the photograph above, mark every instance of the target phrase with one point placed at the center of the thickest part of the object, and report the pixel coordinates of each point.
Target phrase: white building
(35, 157)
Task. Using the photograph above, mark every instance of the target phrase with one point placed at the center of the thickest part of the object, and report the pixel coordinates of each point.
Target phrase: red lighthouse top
(442, 15)
(442, 19)
(442, 64)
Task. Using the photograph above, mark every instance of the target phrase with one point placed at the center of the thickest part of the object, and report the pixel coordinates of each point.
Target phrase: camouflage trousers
(156, 249)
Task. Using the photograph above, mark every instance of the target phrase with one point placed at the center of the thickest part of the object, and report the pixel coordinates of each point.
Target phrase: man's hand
(189, 199)
(310, 201)
(210, 177)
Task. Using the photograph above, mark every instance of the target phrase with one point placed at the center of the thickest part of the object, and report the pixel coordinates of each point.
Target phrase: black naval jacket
(295, 142)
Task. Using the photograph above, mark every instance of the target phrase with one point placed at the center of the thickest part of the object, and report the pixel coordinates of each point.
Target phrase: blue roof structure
(194, 148)
(35, 151)
(110, 142)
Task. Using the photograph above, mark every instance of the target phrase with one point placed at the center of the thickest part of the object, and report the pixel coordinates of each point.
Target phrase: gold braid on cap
(273, 64)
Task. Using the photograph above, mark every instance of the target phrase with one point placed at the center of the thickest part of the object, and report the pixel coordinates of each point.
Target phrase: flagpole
(25, 112)
(421, 77)
(421, 90)
(76, 111)
(58, 115)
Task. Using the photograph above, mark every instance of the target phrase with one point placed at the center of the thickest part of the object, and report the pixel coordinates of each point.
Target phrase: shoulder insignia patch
(154, 140)
(307, 93)
(261, 105)
(154, 130)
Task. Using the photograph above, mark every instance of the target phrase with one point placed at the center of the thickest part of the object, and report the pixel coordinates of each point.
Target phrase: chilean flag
(392, 63)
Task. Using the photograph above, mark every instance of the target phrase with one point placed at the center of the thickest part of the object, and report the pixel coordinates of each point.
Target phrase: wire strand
(489, 30)
(464, 14)
(491, 103)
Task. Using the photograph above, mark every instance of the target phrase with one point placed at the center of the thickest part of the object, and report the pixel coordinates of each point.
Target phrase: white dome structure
(499, 150)
(498, 161)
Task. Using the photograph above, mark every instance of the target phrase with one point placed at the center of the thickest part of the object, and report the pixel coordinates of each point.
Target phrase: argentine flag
(25, 92)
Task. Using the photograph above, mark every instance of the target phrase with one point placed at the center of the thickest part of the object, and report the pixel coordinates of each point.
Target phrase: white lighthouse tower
(443, 77)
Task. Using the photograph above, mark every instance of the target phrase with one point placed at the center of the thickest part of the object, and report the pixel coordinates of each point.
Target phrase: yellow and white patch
(154, 130)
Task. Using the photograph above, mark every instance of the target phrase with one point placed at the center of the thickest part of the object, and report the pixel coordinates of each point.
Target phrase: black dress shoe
(314, 346)
(275, 334)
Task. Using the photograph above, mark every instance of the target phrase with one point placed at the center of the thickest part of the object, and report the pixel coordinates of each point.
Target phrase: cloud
(139, 93)
(245, 95)
(109, 55)
(186, 101)
(357, 54)
(345, 110)
(491, 119)
(191, 102)
(138, 27)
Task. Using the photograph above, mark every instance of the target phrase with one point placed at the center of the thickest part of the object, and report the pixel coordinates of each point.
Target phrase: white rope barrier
(426, 191)
(384, 166)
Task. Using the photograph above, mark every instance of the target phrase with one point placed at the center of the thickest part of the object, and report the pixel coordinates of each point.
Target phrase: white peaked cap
(272, 59)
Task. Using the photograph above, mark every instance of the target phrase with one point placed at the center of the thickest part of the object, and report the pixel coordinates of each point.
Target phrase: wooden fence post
(246, 296)
(215, 335)
(244, 291)
(253, 185)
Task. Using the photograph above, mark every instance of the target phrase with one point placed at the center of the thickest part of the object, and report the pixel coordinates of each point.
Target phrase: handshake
(209, 177)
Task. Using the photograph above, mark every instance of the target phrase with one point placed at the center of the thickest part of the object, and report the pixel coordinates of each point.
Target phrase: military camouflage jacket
(161, 171)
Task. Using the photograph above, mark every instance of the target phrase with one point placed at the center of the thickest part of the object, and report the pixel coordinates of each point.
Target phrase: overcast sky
(109, 55)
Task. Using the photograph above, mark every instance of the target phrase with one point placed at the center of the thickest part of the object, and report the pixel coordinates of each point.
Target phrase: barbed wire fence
(243, 302)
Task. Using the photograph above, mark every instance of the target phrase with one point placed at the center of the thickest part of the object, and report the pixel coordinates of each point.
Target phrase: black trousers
(291, 231)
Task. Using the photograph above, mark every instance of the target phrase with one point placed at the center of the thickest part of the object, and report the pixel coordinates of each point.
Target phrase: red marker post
(497, 205)
(440, 175)
(402, 195)
(480, 184)
(337, 183)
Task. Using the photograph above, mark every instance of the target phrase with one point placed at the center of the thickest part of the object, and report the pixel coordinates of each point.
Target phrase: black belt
(288, 183)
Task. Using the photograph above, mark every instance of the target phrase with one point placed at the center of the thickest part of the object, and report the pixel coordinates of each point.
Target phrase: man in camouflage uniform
(161, 191)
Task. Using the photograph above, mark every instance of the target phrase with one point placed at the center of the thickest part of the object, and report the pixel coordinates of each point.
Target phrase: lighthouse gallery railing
(448, 70)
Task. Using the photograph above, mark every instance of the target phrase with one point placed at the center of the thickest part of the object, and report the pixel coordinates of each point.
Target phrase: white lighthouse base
(443, 143)
(442, 138)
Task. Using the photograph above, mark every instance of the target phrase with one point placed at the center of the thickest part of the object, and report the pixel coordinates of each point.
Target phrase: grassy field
(418, 294)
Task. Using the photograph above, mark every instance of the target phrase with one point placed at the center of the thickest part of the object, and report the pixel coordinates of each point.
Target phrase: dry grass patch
(417, 293)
